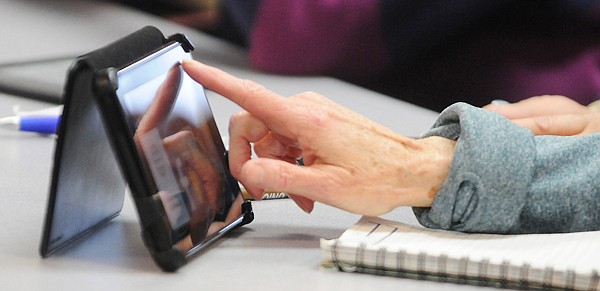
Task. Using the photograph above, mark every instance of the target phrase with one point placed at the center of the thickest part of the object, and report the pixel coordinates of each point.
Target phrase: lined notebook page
(571, 259)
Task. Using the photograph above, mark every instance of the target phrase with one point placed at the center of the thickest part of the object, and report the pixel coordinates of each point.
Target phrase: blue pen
(42, 123)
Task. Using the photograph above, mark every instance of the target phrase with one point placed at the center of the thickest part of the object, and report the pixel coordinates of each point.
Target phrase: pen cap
(40, 124)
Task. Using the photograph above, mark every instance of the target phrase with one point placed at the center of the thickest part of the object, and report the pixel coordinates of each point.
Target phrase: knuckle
(251, 86)
(285, 179)
(235, 120)
(544, 123)
(308, 96)
(237, 117)
(312, 95)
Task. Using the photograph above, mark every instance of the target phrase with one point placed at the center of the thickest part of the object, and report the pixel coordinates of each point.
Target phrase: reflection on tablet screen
(181, 149)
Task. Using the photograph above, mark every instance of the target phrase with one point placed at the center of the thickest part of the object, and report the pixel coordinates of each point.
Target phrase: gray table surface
(278, 251)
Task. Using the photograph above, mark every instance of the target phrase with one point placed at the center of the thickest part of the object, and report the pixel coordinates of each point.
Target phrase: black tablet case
(95, 181)
(86, 181)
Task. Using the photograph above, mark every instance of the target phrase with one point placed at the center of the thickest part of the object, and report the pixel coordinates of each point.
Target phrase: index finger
(560, 124)
(252, 97)
(538, 106)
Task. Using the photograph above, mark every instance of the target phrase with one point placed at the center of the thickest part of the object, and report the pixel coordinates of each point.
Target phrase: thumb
(280, 176)
(304, 203)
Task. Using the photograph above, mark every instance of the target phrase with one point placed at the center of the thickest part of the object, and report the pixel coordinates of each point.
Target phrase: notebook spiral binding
(441, 274)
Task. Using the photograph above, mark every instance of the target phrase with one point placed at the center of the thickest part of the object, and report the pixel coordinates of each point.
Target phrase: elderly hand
(551, 115)
(350, 162)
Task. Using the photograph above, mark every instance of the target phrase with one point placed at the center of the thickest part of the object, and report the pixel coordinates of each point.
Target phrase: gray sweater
(505, 180)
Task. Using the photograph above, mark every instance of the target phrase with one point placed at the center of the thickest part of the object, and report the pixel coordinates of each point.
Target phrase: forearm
(505, 180)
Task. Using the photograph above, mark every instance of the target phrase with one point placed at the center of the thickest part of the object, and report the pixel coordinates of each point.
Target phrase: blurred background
(430, 53)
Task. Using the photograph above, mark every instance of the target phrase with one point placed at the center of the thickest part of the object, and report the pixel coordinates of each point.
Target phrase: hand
(551, 115)
(350, 162)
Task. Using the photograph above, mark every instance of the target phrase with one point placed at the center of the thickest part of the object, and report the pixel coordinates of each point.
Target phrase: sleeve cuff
(491, 171)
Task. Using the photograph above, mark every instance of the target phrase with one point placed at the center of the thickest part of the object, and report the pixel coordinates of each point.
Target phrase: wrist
(435, 156)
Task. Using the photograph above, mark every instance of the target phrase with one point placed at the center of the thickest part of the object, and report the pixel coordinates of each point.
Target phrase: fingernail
(499, 102)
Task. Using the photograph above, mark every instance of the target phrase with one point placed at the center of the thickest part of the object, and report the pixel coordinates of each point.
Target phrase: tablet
(41, 79)
(157, 122)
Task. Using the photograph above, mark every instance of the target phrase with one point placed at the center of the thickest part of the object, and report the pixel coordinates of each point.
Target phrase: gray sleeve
(505, 180)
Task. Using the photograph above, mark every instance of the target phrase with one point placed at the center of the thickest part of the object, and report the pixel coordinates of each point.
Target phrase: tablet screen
(183, 156)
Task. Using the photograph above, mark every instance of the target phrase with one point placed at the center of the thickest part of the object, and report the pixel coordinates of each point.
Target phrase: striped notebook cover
(568, 261)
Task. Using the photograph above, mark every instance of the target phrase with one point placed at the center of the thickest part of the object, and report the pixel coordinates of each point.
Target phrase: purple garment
(577, 77)
(318, 37)
(435, 53)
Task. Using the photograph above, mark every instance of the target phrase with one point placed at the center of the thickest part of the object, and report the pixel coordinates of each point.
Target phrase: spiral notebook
(568, 261)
